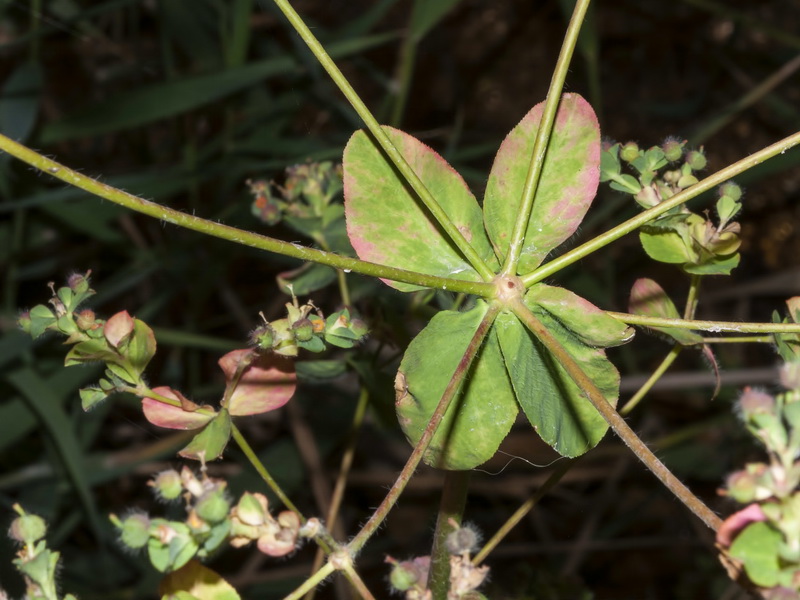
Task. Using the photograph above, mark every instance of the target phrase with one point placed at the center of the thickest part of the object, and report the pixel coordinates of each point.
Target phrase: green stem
(692, 297)
(740, 339)
(448, 396)
(451, 512)
(688, 313)
(543, 137)
(380, 136)
(262, 470)
(651, 381)
(566, 259)
(233, 234)
(355, 579)
(523, 510)
(312, 582)
(712, 326)
(615, 421)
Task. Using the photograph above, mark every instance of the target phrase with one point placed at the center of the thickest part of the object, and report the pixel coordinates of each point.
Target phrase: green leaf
(722, 265)
(649, 299)
(141, 347)
(90, 351)
(320, 370)
(567, 186)
(211, 442)
(198, 581)
(757, 546)
(41, 318)
(484, 410)
(91, 397)
(590, 324)
(664, 246)
(553, 403)
(386, 222)
(173, 555)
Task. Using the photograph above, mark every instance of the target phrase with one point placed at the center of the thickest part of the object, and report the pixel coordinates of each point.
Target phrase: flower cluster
(211, 520)
(679, 236)
(306, 327)
(762, 541)
(411, 576)
(306, 194)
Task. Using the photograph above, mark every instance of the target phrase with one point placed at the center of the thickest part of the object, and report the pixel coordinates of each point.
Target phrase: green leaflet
(484, 410)
(553, 403)
(386, 222)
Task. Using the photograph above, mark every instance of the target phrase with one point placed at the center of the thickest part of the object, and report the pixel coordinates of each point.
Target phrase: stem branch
(615, 421)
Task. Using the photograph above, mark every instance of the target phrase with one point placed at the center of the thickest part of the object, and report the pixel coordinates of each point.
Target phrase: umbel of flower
(305, 327)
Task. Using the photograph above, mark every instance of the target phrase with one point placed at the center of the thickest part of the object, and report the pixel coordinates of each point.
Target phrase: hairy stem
(617, 232)
(448, 396)
(615, 421)
(451, 512)
(240, 236)
(384, 142)
(543, 137)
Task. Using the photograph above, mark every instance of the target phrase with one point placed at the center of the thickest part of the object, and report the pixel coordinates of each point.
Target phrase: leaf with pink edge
(567, 185)
(118, 329)
(649, 299)
(589, 323)
(186, 416)
(267, 381)
(389, 225)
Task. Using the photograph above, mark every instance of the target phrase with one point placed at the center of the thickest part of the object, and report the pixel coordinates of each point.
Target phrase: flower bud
(303, 330)
(86, 320)
(629, 152)
(755, 402)
(27, 529)
(213, 506)
(673, 149)
(790, 375)
(135, 530)
(696, 160)
(462, 541)
(263, 337)
(410, 573)
(24, 321)
(732, 190)
(78, 282)
(167, 484)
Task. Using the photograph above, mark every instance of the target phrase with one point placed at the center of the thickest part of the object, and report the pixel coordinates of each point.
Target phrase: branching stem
(615, 421)
(240, 236)
(380, 136)
(721, 176)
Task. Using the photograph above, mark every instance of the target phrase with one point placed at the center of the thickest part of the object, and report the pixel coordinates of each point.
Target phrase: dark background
(102, 87)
